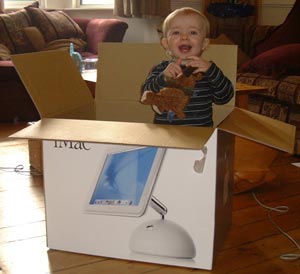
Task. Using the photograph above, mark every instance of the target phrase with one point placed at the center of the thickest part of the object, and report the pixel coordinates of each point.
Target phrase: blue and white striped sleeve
(155, 81)
(222, 87)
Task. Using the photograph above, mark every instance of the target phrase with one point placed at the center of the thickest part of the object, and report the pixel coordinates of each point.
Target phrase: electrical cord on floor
(281, 209)
(20, 170)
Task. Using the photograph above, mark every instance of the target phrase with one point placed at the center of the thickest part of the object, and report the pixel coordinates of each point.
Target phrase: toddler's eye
(175, 32)
(194, 32)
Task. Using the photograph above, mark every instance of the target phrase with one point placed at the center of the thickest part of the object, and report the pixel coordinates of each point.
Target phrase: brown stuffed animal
(167, 99)
(176, 96)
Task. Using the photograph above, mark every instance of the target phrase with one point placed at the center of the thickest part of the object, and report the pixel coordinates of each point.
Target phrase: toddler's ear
(164, 43)
(205, 43)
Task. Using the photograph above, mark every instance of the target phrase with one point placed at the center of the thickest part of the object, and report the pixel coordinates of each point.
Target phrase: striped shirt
(214, 87)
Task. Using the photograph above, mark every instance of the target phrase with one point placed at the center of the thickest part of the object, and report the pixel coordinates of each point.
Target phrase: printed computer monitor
(125, 182)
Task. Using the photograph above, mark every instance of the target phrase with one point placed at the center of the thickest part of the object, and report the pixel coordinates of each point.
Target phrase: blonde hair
(185, 11)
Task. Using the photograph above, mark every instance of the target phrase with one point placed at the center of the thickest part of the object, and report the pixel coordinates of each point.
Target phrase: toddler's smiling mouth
(185, 48)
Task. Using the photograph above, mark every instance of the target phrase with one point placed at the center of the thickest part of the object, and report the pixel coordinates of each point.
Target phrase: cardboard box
(198, 201)
(191, 187)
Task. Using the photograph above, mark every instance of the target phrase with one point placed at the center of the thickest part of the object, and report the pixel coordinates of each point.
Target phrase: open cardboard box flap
(261, 129)
(54, 84)
(242, 123)
(58, 91)
(117, 133)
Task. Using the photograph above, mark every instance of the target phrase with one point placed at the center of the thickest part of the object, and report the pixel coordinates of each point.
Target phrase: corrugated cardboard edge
(261, 129)
(117, 133)
(246, 124)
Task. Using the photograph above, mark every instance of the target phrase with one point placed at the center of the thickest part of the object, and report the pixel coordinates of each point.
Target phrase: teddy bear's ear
(145, 97)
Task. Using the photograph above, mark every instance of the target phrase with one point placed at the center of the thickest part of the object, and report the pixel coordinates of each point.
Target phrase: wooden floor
(253, 245)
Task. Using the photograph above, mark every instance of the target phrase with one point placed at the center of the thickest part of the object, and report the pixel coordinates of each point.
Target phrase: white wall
(139, 30)
(274, 12)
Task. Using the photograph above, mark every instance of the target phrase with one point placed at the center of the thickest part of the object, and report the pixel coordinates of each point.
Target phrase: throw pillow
(35, 37)
(275, 62)
(11, 30)
(79, 44)
(4, 52)
(286, 33)
(55, 25)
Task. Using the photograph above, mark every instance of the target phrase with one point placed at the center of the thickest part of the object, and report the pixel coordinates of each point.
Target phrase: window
(96, 3)
(9, 4)
(14, 4)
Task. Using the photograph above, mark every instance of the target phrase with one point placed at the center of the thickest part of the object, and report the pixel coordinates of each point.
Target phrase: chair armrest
(104, 30)
(82, 22)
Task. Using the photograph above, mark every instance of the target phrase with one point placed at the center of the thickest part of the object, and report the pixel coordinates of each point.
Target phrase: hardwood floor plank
(239, 235)
(32, 256)
(175, 270)
(255, 252)
(60, 261)
(111, 266)
(274, 266)
(287, 183)
(21, 213)
(257, 213)
(22, 232)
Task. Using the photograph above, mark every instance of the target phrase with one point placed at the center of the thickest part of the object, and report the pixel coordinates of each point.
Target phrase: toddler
(184, 37)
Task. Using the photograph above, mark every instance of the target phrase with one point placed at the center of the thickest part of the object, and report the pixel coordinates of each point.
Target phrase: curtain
(142, 8)
(1, 6)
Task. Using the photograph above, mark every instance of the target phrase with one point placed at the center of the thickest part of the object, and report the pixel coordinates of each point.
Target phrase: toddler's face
(185, 37)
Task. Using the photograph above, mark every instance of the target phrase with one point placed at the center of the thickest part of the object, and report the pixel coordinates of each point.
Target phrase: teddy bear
(176, 96)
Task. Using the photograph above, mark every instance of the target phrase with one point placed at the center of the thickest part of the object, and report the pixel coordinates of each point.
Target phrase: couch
(33, 29)
(274, 62)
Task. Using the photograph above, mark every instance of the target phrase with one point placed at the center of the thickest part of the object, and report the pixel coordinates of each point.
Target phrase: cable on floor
(20, 170)
(280, 209)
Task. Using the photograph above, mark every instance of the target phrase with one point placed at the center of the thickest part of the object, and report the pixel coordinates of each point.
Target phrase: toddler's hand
(200, 64)
(173, 70)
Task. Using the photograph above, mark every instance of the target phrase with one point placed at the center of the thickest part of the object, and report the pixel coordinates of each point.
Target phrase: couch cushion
(54, 24)
(259, 80)
(286, 89)
(38, 42)
(287, 33)
(11, 31)
(275, 110)
(289, 89)
(4, 52)
(276, 62)
(35, 37)
(79, 44)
